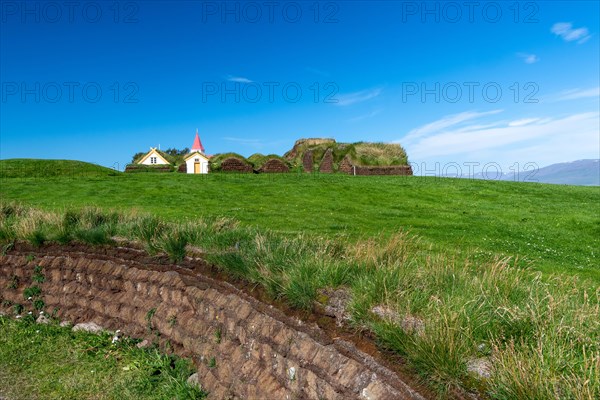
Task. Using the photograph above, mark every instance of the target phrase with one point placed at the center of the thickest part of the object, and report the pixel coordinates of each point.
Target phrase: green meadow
(550, 228)
(448, 274)
(40, 362)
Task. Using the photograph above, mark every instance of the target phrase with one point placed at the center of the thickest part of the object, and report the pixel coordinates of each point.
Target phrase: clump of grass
(149, 230)
(212, 362)
(14, 282)
(32, 291)
(38, 276)
(174, 243)
(94, 236)
(39, 304)
(18, 308)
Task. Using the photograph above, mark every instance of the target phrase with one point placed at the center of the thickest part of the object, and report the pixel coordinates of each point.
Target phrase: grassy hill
(550, 228)
(29, 168)
(421, 258)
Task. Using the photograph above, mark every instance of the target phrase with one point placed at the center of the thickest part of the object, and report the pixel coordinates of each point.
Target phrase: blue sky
(498, 82)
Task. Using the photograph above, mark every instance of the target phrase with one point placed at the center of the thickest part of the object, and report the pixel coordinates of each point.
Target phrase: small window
(197, 160)
(152, 160)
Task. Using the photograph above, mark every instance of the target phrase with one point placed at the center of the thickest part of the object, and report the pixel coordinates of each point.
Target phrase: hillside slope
(551, 228)
(31, 168)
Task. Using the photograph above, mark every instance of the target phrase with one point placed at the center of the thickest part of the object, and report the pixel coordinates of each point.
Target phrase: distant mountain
(580, 173)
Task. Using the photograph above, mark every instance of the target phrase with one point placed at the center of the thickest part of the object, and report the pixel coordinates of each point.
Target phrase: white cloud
(569, 34)
(575, 94)
(528, 58)
(540, 140)
(524, 121)
(317, 71)
(447, 122)
(357, 97)
(364, 116)
(242, 140)
(239, 79)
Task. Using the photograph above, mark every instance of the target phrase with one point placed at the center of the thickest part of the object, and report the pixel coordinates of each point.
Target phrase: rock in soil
(91, 327)
(482, 367)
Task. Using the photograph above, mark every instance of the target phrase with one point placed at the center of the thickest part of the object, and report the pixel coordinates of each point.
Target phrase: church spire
(197, 146)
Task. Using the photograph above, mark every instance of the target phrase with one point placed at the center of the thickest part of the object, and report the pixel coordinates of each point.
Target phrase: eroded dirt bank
(243, 347)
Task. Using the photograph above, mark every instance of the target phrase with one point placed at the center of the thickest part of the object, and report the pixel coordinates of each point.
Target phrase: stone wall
(347, 167)
(138, 168)
(326, 166)
(274, 166)
(243, 348)
(384, 170)
(233, 164)
(308, 161)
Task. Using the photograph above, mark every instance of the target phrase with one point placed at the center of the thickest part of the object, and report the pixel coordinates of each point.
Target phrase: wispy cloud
(569, 34)
(317, 71)
(523, 122)
(574, 94)
(528, 58)
(364, 116)
(567, 138)
(242, 140)
(348, 99)
(239, 79)
(446, 122)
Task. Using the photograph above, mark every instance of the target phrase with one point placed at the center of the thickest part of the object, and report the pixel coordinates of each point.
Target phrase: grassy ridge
(538, 338)
(25, 168)
(550, 228)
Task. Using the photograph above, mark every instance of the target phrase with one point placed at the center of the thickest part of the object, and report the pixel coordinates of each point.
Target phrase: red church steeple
(197, 146)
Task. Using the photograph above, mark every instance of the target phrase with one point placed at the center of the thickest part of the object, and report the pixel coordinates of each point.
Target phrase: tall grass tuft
(174, 243)
(148, 230)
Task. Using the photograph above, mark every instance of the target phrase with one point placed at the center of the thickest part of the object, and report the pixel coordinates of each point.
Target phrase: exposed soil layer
(346, 166)
(233, 164)
(244, 344)
(274, 166)
(307, 161)
(326, 166)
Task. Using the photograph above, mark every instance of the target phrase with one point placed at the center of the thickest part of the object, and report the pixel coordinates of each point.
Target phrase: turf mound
(135, 168)
(227, 162)
(327, 155)
(271, 163)
(36, 168)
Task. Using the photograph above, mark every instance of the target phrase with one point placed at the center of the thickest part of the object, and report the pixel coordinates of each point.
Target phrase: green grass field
(550, 228)
(42, 362)
(463, 270)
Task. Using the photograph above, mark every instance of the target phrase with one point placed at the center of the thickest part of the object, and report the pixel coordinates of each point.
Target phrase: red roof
(197, 146)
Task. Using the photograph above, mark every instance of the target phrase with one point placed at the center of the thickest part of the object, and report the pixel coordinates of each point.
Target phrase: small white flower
(30, 312)
(29, 298)
(41, 312)
(18, 316)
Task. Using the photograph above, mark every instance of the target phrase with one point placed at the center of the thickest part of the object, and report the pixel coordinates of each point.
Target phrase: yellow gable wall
(160, 160)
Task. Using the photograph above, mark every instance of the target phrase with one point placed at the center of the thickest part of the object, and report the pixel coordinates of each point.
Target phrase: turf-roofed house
(194, 161)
